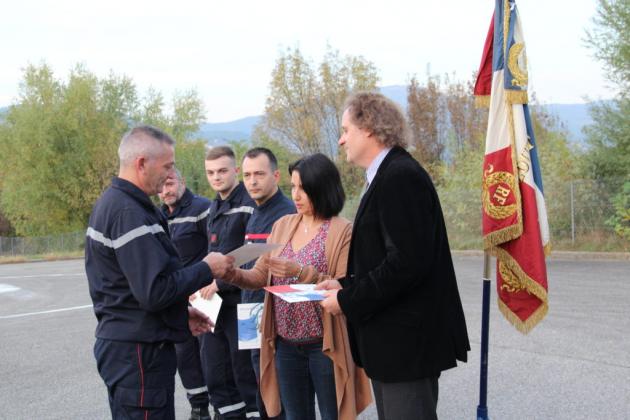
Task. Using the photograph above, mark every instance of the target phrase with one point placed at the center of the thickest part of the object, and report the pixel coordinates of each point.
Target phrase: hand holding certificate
(250, 252)
(210, 307)
(297, 293)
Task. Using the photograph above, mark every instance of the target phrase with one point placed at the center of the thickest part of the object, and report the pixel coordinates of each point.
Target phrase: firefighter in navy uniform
(261, 177)
(138, 286)
(229, 375)
(187, 216)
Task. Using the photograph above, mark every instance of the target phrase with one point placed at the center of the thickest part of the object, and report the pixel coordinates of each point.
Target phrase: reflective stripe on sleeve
(126, 238)
(189, 219)
(230, 408)
(242, 209)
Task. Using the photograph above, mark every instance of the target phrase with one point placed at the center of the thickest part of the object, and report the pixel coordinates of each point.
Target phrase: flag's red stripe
(483, 85)
(528, 252)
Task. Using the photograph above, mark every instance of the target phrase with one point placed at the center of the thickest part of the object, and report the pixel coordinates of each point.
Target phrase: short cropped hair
(217, 152)
(140, 141)
(322, 183)
(257, 151)
(178, 175)
(378, 115)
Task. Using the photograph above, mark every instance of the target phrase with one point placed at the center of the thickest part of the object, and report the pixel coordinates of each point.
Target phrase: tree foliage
(443, 121)
(304, 106)
(609, 135)
(610, 40)
(59, 143)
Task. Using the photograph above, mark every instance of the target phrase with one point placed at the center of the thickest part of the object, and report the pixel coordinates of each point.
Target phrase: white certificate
(249, 252)
(293, 293)
(210, 307)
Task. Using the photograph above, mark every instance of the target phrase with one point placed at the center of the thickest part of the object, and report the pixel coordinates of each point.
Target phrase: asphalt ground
(574, 365)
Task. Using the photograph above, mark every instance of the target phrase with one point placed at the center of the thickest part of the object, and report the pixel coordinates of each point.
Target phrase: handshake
(222, 266)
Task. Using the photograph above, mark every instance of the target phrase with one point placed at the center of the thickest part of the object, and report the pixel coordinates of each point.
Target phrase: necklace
(306, 228)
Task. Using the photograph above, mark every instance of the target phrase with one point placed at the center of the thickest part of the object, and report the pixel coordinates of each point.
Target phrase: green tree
(61, 139)
(304, 106)
(610, 40)
(284, 154)
(427, 122)
(188, 113)
(609, 135)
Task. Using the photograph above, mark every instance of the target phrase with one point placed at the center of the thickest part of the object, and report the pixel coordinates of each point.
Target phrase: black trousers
(140, 378)
(229, 374)
(413, 400)
(190, 372)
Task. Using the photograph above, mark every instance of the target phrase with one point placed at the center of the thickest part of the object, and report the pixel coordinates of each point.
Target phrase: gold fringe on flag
(482, 101)
(531, 286)
(516, 96)
(501, 236)
(528, 325)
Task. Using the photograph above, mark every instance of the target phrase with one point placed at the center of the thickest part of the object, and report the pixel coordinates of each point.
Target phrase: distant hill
(240, 129)
(572, 117)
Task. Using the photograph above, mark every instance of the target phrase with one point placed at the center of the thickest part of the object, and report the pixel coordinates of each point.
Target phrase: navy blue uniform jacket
(259, 228)
(226, 232)
(136, 280)
(188, 227)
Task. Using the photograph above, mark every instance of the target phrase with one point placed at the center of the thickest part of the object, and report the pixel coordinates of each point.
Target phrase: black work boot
(199, 413)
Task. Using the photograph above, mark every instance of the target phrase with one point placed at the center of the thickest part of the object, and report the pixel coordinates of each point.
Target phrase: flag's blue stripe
(533, 153)
(498, 61)
(507, 74)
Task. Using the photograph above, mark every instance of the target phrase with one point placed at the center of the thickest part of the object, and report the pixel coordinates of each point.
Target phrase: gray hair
(178, 175)
(141, 141)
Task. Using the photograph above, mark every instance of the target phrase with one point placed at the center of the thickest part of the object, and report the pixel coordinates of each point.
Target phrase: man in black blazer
(400, 298)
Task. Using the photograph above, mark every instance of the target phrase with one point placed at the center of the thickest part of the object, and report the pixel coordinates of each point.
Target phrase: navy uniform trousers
(190, 372)
(142, 389)
(229, 375)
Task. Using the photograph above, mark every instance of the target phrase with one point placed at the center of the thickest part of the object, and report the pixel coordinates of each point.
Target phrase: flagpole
(482, 408)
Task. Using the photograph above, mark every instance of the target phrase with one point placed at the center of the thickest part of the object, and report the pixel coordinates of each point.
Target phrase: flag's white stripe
(542, 217)
(523, 158)
(189, 219)
(242, 209)
(498, 134)
(126, 238)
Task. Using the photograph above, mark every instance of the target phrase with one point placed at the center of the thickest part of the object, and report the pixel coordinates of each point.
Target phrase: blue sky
(227, 49)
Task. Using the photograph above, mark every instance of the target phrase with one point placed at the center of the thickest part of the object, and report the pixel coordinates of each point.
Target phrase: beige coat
(351, 383)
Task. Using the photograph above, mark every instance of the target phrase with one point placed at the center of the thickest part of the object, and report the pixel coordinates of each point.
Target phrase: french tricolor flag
(514, 221)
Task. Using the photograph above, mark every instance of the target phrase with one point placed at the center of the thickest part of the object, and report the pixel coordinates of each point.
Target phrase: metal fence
(579, 214)
(42, 245)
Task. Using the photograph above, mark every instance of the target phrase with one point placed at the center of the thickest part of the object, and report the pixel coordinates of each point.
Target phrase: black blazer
(400, 297)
